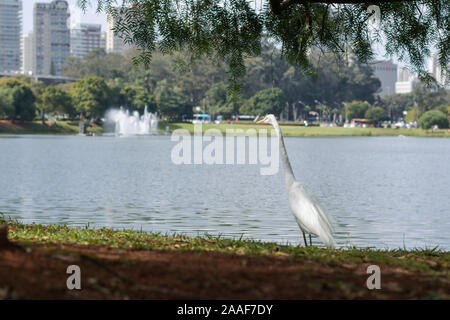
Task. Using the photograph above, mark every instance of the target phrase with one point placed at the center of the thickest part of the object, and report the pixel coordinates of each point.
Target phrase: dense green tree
(426, 99)
(18, 99)
(56, 100)
(412, 115)
(6, 103)
(265, 102)
(217, 95)
(356, 109)
(444, 108)
(334, 112)
(376, 114)
(396, 104)
(324, 111)
(91, 96)
(136, 98)
(433, 117)
(219, 101)
(171, 101)
(98, 63)
(336, 81)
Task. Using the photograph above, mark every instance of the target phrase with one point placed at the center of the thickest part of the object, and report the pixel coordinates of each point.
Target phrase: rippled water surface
(385, 192)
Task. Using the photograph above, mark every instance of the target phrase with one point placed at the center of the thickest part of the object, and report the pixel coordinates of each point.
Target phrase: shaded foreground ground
(133, 265)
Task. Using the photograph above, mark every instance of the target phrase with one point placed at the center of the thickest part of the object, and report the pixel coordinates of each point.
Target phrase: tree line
(175, 89)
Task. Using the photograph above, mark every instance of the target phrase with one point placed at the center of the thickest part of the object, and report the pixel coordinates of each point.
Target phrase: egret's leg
(304, 238)
(310, 241)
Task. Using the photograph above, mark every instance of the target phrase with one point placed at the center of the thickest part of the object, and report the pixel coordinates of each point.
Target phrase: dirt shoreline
(39, 272)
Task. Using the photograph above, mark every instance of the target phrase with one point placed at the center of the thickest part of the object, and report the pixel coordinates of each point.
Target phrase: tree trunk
(294, 111)
(4, 235)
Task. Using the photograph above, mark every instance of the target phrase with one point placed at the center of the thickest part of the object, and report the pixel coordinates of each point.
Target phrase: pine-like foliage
(230, 30)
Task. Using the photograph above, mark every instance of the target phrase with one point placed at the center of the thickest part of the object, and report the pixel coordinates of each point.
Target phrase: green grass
(289, 130)
(37, 127)
(422, 260)
(312, 131)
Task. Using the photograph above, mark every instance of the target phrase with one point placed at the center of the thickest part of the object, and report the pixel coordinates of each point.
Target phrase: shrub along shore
(133, 264)
(292, 130)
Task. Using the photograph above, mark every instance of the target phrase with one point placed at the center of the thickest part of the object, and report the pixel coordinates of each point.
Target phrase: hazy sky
(76, 15)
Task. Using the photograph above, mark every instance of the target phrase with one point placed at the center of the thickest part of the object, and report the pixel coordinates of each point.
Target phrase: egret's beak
(262, 121)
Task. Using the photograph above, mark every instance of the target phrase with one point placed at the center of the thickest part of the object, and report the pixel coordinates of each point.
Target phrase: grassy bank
(37, 127)
(424, 260)
(130, 264)
(71, 127)
(314, 131)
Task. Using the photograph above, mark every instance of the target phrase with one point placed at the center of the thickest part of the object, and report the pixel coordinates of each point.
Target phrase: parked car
(399, 125)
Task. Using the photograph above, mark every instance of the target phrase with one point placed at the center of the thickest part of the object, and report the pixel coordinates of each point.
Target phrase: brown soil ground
(39, 272)
(8, 124)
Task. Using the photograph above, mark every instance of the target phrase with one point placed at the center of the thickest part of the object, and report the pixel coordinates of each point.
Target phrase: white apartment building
(10, 35)
(85, 37)
(406, 82)
(438, 72)
(51, 37)
(103, 41)
(405, 86)
(114, 44)
(28, 54)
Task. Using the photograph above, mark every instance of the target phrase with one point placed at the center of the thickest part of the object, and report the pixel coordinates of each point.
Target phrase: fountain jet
(126, 124)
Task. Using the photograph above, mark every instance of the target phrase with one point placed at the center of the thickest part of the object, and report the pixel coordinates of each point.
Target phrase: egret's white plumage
(310, 216)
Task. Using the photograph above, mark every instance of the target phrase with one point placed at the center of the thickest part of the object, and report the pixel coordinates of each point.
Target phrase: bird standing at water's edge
(310, 216)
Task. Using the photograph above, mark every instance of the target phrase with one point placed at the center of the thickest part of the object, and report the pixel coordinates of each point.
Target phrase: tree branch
(278, 6)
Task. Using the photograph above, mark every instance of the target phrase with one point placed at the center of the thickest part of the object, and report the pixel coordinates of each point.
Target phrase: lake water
(384, 192)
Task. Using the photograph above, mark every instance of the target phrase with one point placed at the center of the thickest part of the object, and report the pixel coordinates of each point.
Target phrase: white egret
(310, 216)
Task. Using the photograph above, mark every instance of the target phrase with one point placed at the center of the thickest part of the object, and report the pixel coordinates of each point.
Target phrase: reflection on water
(385, 192)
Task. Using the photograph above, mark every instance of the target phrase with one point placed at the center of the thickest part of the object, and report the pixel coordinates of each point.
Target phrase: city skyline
(76, 15)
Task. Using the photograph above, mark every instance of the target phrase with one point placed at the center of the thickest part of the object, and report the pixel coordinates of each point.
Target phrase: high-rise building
(405, 82)
(386, 71)
(438, 72)
(28, 54)
(406, 86)
(403, 74)
(85, 37)
(51, 37)
(114, 43)
(10, 35)
(103, 41)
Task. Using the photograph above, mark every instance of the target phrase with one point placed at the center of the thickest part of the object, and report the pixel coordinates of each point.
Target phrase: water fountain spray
(127, 124)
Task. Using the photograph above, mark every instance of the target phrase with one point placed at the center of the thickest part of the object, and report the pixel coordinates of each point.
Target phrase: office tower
(386, 71)
(51, 37)
(85, 37)
(10, 35)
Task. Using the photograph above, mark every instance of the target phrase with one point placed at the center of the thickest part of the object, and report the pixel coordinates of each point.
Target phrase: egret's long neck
(288, 173)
